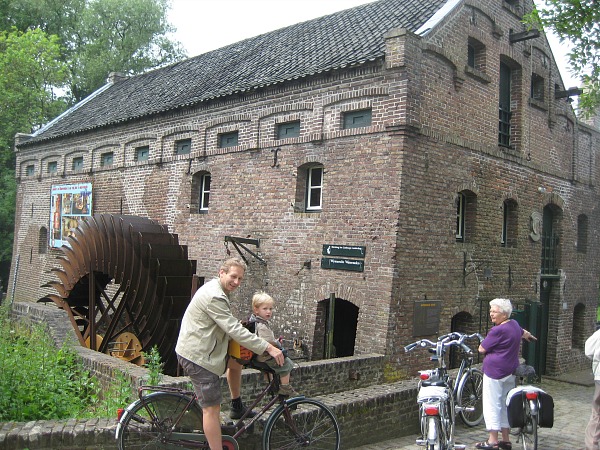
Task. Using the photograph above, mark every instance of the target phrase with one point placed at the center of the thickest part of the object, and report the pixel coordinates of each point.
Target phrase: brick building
(405, 162)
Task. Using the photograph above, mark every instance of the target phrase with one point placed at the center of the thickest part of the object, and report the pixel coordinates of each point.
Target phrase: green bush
(40, 382)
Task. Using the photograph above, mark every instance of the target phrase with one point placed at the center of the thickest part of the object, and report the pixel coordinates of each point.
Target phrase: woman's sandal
(485, 445)
(505, 445)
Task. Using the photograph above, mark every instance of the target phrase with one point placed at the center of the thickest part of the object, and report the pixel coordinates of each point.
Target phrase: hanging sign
(352, 251)
(355, 265)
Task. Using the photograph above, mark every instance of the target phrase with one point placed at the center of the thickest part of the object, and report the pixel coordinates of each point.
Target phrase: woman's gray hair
(503, 304)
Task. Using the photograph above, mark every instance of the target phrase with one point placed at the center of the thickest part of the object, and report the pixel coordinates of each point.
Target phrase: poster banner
(69, 202)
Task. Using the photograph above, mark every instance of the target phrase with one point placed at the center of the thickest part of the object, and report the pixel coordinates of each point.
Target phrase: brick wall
(390, 187)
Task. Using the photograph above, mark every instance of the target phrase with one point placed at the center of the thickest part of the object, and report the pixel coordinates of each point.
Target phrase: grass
(41, 382)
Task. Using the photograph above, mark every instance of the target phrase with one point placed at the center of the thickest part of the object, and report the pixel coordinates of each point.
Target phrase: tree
(68, 47)
(576, 21)
(30, 68)
(99, 36)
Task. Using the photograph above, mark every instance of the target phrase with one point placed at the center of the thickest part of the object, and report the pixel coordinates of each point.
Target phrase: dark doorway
(462, 323)
(340, 333)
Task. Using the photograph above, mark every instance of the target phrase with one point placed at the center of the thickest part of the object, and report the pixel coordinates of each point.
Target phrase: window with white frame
(314, 189)
(200, 195)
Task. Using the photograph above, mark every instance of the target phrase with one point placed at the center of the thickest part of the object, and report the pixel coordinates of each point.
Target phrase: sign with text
(344, 250)
(69, 202)
(354, 265)
(426, 318)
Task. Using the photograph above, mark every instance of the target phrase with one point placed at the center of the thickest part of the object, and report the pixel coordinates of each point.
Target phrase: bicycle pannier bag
(546, 415)
(516, 412)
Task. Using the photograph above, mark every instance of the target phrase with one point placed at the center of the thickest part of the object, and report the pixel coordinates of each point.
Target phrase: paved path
(572, 408)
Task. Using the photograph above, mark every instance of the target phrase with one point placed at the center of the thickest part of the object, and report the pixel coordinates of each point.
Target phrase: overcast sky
(204, 25)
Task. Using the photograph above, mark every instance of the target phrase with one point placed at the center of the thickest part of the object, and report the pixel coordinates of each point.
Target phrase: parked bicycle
(529, 407)
(168, 417)
(440, 398)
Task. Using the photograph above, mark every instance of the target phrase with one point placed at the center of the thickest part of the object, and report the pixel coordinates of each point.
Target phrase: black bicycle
(167, 417)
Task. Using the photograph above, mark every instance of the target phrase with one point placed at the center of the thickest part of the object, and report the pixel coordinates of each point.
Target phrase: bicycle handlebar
(446, 340)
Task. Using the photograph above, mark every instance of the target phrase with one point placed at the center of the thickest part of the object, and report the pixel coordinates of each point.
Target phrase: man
(206, 328)
(592, 431)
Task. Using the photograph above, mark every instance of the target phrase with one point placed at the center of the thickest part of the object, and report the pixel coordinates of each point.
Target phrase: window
(30, 170)
(582, 233)
(52, 167)
(314, 189)
(288, 130)
(504, 109)
(466, 209)
(357, 119)
(537, 87)
(43, 241)
(106, 159)
(460, 216)
(200, 195)
(227, 139)
(77, 163)
(142, 153)
(509, 224)
(204, 194)
(183, 147)
(476, 55)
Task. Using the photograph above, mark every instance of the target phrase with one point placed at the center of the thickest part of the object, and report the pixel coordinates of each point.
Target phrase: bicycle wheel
(470, 395)
(147, 423)
(529, 433)
(302, 423)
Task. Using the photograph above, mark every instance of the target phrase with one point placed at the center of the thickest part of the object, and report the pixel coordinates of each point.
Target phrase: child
(262, 309)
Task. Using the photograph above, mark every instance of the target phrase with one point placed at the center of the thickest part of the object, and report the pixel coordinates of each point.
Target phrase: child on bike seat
(262, 311)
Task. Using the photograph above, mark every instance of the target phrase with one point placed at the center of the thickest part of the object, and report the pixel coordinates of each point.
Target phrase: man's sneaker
(287, 390)
(237, 413)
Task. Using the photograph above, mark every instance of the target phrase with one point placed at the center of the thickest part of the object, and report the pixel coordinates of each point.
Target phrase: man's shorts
(207, 385)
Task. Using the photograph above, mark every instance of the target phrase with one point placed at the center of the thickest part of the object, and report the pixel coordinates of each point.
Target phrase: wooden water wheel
(125, 283)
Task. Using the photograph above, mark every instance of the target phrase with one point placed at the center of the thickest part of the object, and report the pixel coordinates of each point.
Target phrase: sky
(204, 25)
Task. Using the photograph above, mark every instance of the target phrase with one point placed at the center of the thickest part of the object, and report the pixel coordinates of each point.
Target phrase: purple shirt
(502, 346)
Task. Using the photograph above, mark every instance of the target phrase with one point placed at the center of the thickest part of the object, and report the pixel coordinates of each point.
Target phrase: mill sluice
(125, 283)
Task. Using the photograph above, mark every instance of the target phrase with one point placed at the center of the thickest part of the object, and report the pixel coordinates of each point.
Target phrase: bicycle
(524, 404)
(170, 417)
(440, 398)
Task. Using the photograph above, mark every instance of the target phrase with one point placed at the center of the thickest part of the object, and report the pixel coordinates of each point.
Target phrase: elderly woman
(501, 349)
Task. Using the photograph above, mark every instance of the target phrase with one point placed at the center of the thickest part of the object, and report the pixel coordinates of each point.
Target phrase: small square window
(183, 147)
(52, 167)
(30, 170)
(106, 159)
(357, 119)
(288, 130)
(228, 139)
(537, 87)
(77, 163)
(142, 153)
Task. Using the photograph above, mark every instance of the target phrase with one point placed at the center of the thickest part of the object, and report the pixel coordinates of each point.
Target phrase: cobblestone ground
(572, 408)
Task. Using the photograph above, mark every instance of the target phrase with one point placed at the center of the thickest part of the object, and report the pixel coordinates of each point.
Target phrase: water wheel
(125, 282)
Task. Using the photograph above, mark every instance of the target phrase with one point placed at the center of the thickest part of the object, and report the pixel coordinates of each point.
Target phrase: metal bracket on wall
(472, 265)
(239, 242)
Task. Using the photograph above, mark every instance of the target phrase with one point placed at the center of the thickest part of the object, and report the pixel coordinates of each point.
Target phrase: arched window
(43, 241)
(582, 233)
(309, 188)
(510, 224)
(466, 212)
(200, 196)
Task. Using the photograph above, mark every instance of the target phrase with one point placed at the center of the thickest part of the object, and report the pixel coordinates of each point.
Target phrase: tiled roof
(347, 38)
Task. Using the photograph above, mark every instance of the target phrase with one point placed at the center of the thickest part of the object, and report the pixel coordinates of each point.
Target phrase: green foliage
(54, 53)
(576, 21)
(40, 382)
(154, 366)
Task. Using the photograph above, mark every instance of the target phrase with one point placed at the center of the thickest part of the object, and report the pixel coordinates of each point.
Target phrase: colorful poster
(69, 203)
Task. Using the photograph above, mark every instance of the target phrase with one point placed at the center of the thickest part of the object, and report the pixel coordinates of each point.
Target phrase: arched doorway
(335, 329)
